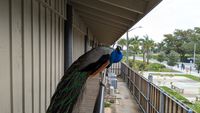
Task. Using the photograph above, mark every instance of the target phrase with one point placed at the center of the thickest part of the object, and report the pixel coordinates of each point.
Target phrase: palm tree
(160, 46)
(134, 46)
(147, 45)
(143, 49)
(122, 42)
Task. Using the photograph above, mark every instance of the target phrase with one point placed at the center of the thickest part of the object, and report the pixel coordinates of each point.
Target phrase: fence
(115, 68)
(150, 98)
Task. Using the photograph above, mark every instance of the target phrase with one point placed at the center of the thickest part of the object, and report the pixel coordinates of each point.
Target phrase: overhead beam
(102, 29)
(106, 8)
(94, 12)
(136, 6)
(102, 21)
(102, 18)
(151, 4)
(103, 33)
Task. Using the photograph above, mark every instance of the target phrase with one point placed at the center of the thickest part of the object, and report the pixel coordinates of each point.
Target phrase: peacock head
(119, 48)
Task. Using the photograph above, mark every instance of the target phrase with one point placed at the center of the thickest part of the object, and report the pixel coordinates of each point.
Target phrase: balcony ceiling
(110, 19)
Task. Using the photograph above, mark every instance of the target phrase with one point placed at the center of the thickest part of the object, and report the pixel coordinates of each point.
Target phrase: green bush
(154, 56)
(107, 104)
(172, 58)
(138, 65)
(141, 66)
(161, 57)
(155, 67)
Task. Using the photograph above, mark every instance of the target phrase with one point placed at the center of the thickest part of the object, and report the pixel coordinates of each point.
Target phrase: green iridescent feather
(69, 88)
(67, 92)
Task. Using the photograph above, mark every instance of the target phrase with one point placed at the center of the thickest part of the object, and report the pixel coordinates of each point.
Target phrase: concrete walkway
(126, 103)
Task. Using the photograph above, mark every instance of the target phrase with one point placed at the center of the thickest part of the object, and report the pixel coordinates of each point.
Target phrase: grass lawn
(163, 70)
(192, 77)
(195, 78)
(156, 67)
(195, 106)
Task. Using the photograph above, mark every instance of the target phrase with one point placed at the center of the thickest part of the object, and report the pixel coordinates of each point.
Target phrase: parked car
(188, 60)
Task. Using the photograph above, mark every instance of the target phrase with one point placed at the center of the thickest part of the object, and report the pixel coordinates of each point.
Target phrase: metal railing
(115, 68)
(99, 105)
(150, 98)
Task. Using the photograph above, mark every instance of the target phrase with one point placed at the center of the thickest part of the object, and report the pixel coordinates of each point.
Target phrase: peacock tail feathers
(72, 83)
(67, 92)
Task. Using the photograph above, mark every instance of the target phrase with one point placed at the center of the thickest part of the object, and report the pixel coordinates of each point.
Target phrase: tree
(182, 42)
(134, 46)
(161, 57)
(173, 57)
(175, 43)
(147, 45)
(143, 50)
(159, 47)
(122, 42)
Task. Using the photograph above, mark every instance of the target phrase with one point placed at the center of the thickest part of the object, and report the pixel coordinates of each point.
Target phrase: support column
(86, 42)
(68, 41)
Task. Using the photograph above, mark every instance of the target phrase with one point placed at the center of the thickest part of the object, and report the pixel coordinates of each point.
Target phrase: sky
(166, 17)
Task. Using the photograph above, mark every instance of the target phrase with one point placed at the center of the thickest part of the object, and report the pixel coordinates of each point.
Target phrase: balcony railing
(150, 98)
(99, 105)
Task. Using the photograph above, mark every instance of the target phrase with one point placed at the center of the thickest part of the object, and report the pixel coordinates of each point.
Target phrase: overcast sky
(168, 16)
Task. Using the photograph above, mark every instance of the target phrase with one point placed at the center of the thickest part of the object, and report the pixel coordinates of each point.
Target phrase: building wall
(79, 32)
(87, 99)
(31, 53)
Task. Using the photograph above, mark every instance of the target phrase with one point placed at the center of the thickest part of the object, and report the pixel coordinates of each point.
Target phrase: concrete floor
(126, 103)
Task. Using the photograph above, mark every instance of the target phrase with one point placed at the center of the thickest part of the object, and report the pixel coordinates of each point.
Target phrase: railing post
(127, 76)
(148, 95)
(139, 87)
(162, 103)
(124, 72)
(121, 71)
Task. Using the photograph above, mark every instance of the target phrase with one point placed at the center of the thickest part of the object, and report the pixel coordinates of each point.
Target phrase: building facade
(39, 39)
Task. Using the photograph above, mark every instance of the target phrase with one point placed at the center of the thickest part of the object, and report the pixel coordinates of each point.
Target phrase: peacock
(71, 84)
